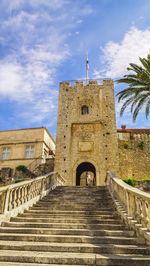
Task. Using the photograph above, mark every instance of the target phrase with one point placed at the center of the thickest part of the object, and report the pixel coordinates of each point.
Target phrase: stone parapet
(14, 199)
(132, 204)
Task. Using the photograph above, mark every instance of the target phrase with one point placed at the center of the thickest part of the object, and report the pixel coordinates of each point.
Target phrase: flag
(87, 62)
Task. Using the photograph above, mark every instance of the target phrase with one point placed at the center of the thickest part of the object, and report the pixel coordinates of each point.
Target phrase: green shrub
(146, 179)
(141, 145)
(22, 168)
(130, 181)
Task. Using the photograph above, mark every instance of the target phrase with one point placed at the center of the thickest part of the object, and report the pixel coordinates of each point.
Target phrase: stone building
(139, 134)
(29, 147)
(86, 131)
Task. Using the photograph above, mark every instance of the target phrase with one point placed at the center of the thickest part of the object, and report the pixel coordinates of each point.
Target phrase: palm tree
(137, 94)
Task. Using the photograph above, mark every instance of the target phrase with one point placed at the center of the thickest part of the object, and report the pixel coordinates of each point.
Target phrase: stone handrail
(35, 163)
(132, 204)
(16, 198)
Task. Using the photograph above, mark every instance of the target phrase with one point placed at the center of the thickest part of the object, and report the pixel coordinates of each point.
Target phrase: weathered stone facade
(134, 159)
(134, 152)
(86, 131)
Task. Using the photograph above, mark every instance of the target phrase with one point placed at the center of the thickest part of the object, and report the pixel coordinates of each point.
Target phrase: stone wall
(134, 159)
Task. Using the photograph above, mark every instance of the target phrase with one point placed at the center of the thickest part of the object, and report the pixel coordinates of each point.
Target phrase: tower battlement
(76, 83)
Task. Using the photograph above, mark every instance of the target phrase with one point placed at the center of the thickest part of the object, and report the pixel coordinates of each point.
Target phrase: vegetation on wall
(130, 181)
(141, 145)
(133, 182)
(22, 168)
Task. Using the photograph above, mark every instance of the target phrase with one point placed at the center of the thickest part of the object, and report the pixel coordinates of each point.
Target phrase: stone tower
(86, 132)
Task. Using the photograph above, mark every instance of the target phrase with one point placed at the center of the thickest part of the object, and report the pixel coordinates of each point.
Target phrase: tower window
(84, 110)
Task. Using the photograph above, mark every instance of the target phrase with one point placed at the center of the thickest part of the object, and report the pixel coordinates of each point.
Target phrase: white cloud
(115, 59)
(13, 82)
(118, 55)
(37, 39)
(18, 4)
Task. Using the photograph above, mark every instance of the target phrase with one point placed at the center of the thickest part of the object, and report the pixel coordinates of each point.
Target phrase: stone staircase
(71, 226)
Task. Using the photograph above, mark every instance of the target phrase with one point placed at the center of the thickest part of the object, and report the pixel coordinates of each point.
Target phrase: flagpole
(87, 67)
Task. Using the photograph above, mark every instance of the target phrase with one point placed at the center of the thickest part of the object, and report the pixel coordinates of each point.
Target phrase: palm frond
(137, 94)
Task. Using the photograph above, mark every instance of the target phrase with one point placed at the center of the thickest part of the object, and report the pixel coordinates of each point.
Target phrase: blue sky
(43, 42)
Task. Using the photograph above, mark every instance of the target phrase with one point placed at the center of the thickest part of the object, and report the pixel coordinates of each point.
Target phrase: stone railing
(16, 198)
(35, 163)
(132, 204)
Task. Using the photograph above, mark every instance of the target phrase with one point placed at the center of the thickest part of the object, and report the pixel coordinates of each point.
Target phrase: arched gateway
(85, 174)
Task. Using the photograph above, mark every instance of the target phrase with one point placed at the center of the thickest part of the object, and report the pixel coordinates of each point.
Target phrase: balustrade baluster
(14, 198)
(144, 213)
(19, 196)
(10, 201)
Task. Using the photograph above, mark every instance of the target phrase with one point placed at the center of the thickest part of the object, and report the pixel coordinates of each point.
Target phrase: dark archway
(85, 167)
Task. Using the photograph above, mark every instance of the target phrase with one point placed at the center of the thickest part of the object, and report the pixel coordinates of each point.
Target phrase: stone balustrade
(132, 204)
(16, 198)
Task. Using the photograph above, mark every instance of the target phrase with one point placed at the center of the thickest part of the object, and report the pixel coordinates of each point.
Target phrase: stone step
(4, 263)
(75, 204)
(77, 196)
(82, 190)
(74, 248)
(60, 207)
(77, 192)
(67, 232)
(65, 220)
(36, 224)
(84, 201)
(77, 214)
(63, 216)
(82, 193)
(74, 212)
(85, 218)
(74, 258)
(69, 239)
